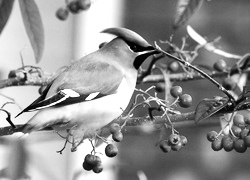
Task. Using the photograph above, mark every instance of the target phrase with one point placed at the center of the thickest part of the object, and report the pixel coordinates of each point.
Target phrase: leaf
(5, 11)
(208, 107)
(208, 46)
(184, 11)
(34, 26)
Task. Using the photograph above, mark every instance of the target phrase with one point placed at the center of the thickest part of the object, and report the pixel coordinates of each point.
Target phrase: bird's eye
(135, 48)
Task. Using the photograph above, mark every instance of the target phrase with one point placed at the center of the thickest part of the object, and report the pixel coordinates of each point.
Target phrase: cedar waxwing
(92, 91)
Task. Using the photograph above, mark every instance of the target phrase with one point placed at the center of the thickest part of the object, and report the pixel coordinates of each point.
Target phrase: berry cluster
(111, 150)
(74, 6)
(174, 142)
(238, 139)
(93, 162)
(185, 100)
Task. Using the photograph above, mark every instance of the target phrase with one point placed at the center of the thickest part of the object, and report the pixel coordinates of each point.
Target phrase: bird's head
(137, 44)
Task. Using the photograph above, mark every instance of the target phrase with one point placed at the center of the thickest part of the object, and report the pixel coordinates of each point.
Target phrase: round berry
(247, 119)
(98, 168)
(244, 133)
(176, 147)
(184, 140)
(92, 160)
(238, 120)
(228, 83)
(173, 66)
(176, 91)
(220, 65)
(165, 146)
(84, 4)
(62, 13)
(216, 145)
(87, 166)
(247, 140)
(160, 87)
(117, 136)
(227, 143)
(114, 127)
(174, 139)
(236, 130)
(74, 7)
(111, 150)
(240, 146)
(211, 136)
(185, 100)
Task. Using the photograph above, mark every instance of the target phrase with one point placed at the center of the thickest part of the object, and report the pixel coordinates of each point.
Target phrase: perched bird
(92, 91)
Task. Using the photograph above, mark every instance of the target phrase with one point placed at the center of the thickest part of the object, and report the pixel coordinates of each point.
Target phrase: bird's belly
(97, 113)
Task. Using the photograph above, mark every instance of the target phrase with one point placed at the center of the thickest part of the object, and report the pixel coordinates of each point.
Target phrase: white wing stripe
(70, 93)
(52, 104)
(92, 96)
(66, 92)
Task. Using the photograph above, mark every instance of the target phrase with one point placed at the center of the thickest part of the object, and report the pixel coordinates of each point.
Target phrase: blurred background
(138, 156)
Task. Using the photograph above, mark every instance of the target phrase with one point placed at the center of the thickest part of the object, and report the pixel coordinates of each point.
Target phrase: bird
(92, 91)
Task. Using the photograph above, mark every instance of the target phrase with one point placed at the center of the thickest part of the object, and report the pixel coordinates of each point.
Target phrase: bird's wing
(78, 84)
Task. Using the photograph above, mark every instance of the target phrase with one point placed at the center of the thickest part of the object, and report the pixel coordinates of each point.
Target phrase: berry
(211, 136)
(220, 65)
(176, 91)
(87, 166)
(216, 145)
(111, 150)
(160, 87)
(98, 168)
(174, 139)
(84, 4)
(240, 146)
(173, 66)
(74, 7)
(228, 83)
(247, 140)
(114, 127)
(185, 100)
(244, 133)
(176, 147)
(236, 130)
(117, 136)
(247, 119)
(62, 13)
(238, 120)
(92, 160)
(164, 146)
(183, 140)
(227, 143)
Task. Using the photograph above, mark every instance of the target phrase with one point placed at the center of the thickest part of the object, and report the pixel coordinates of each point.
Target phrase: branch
(130, 122)
(174, 77)
(187, 77)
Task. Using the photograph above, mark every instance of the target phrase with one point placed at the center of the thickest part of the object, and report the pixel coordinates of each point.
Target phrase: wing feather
(92, 81)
